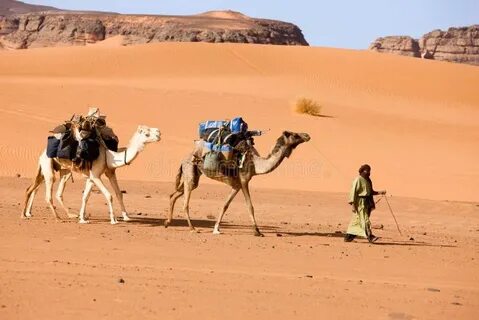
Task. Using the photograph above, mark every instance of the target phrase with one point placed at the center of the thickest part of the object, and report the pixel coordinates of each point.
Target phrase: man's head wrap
(364, 167)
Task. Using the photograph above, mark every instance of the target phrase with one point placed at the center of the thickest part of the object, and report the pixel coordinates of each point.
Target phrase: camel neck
(134, 148)
(271, 162)
(127, 156)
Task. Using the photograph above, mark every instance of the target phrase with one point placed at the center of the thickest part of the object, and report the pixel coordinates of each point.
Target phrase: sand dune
(416, 122)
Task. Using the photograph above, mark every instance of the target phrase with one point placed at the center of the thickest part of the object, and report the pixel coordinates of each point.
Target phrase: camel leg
(191, 177)
(173, 197)
(179, 191)
(99, 183)
(86, 195)
(230, 198)
(65, 175)
(28, 209)
(114, 184)
(30, 197)
(186, 208)
(247, 196)
(30, 194)
(49, 181)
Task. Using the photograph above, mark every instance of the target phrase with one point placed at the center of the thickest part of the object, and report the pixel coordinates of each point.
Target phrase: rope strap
(126, 163)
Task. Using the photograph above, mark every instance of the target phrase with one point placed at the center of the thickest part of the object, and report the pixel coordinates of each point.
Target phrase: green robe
(361, 198)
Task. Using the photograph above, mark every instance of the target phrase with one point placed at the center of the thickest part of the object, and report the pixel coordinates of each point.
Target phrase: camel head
(145, 134)
(292, 140)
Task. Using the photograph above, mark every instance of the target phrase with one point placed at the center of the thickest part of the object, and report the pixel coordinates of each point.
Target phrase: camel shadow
(275, 230)
(155, 222)
(198, 223)
(271, 229)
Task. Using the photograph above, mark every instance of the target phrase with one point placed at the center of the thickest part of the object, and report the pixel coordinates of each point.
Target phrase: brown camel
(238, 179)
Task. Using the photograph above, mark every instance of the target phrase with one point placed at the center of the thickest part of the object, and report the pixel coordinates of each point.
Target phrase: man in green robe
(362, 202)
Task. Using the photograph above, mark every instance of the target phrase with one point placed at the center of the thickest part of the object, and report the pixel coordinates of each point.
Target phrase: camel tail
(179, 181)
(37, 181)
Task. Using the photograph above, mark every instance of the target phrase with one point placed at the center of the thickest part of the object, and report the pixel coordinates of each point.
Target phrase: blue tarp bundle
(235, 126)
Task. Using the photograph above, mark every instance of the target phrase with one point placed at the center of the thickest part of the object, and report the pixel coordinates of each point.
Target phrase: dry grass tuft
(308, 106)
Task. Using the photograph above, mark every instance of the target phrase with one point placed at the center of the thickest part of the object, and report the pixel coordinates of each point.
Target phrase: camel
(106, 163)
(192, 168)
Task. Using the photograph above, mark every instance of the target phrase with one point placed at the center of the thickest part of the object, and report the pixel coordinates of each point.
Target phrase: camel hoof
(216, 232)
(28, 215)
(126, 218)
(84, 221)
(194, 230)
(72, 215)
(166, 223)
(113, 222)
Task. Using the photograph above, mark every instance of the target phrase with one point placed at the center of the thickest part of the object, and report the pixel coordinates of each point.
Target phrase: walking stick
(392, 213)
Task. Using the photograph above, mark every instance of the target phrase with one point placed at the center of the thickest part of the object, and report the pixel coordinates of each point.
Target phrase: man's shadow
(389, 242)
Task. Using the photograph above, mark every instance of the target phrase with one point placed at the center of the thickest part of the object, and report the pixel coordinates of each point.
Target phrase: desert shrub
(307, 106)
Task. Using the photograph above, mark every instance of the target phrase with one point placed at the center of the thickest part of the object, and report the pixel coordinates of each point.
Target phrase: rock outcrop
(402, 45)
(10, 7)
(46, 29)
(455, 45)
(40, 30)
(459, 45)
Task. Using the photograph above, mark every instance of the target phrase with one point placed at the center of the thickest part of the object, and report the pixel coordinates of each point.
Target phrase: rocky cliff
(62, 28)
(455, 45)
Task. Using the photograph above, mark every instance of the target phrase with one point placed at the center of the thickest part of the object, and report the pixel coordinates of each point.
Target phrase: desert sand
(416, 122)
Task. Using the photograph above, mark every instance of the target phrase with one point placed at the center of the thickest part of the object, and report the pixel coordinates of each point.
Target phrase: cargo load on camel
(224, 144)
(79, 138)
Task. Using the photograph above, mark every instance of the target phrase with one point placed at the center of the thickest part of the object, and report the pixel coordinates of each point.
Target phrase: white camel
(106, 163)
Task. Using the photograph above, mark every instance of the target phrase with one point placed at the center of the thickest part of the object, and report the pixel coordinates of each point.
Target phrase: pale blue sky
(344, 24)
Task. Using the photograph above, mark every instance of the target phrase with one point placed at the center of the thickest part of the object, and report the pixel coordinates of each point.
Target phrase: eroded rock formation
(46, 29)
(459, 45)
(402, 45)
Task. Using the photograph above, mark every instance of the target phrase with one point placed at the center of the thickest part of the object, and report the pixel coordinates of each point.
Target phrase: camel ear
(287, 134)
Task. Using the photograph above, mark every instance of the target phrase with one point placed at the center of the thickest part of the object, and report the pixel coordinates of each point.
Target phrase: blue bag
(52, 147)
(88, 149)
(235, 126)
(207, 126)
(224, 149)
(238, 125)
(67, 147)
